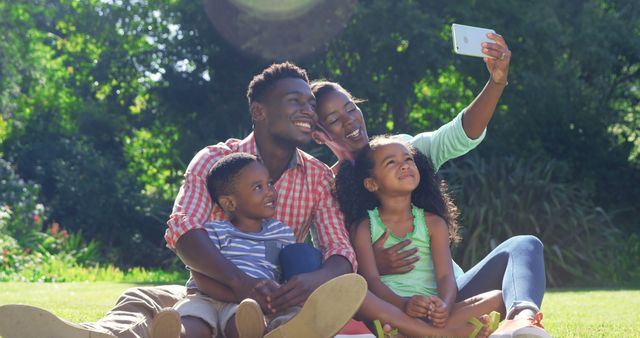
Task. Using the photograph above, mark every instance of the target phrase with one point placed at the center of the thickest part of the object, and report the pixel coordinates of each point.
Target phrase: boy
(251, 239)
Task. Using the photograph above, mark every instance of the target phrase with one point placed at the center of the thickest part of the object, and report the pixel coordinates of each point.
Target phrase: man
(283, 111)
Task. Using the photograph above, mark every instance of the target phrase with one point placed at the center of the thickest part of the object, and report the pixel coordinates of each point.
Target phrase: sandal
(494, 320)
(380, 332)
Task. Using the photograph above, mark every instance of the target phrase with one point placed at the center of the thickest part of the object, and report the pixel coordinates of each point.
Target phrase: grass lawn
(567, 313)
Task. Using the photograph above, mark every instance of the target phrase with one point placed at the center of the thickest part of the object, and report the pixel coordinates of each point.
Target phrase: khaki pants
(217, 313)
(136, 308)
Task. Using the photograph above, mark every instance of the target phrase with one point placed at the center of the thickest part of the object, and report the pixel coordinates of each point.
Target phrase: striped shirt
(304, 198)
(255, 253)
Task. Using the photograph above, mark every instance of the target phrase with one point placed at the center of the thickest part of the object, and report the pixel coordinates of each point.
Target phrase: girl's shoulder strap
(375, 224)
(420, 223)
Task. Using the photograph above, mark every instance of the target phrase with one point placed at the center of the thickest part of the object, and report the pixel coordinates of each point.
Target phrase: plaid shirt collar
(248, 145)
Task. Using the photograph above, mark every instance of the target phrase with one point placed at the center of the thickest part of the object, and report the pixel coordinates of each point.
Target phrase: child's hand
(263, 291)
(417, 306)
(437, 311)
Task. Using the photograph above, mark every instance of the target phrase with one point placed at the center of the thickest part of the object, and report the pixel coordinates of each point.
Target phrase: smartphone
(467, 40)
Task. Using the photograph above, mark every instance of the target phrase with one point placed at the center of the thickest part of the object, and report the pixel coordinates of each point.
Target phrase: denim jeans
(299, 258)
(516, 267)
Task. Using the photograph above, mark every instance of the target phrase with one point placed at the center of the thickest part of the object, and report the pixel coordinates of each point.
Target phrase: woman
(516, 264)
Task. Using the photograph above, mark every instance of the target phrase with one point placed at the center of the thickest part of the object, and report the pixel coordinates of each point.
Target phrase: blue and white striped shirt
(255, 253)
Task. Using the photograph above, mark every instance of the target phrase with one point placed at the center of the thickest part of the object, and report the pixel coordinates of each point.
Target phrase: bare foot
(389, 332)
(468, 328)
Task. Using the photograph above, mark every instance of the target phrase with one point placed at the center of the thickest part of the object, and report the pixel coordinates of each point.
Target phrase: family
(380, 220)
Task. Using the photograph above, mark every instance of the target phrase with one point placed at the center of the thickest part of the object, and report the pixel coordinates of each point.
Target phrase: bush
(21, 213)
(86, 188)
(26, 249)
(503, 197)
(25, 265)
(62, 257)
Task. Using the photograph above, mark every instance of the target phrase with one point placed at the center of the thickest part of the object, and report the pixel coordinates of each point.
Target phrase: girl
(515, 264)
(391, 188)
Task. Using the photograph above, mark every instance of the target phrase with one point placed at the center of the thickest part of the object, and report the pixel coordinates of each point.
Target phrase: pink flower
(55, 227)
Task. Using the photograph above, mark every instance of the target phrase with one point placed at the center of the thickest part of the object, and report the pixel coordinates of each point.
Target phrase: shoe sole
(327, 310)
(525, 332)
(25, 321)
(249, 319)
(166, 324)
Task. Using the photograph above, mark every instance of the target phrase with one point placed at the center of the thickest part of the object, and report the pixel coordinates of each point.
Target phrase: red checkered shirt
(304, 197)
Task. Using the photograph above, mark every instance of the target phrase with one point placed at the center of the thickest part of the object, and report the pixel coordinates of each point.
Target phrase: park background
(104, 103)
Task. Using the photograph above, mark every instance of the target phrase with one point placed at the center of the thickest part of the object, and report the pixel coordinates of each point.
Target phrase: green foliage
(21, 212)
(43, 256)
(151, 155)
(388, 47)
(438, 99)
(503, 197)
(58, 256)
(622, 264)
(18, 264)
(77, 81)
(573, 92)
(574, 75)
(103, 103)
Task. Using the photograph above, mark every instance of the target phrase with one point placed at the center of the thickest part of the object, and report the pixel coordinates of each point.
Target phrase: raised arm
(479, 112)
(467, 129)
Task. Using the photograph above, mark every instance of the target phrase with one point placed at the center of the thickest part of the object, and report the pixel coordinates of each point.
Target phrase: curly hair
(221, 179)
(431, 194)
(262, 82)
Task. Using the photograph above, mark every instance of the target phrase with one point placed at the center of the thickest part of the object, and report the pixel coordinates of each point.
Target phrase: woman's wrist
(504, 83)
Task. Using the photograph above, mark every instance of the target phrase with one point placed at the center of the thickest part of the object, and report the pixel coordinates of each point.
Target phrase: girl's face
(394, 170)
(342, 121)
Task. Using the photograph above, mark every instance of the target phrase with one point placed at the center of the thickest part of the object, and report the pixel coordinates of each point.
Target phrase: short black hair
(262, 82)
(222, 175)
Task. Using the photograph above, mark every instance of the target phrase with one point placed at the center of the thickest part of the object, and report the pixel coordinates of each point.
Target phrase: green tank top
(421, 280)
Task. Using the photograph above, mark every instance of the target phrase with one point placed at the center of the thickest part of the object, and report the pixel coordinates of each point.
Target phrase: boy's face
(253, 193)
(290, 111)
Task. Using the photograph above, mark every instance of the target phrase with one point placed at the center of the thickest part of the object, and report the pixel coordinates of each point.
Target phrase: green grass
(592, 313)
(567, 313)
(76, 301)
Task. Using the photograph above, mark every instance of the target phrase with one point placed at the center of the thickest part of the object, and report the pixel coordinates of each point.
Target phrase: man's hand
(391, 260)
(417, 306)
(294, 292)
(438, 311)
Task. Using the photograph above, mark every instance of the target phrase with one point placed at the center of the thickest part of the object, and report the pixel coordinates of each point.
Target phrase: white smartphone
(467, 40)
